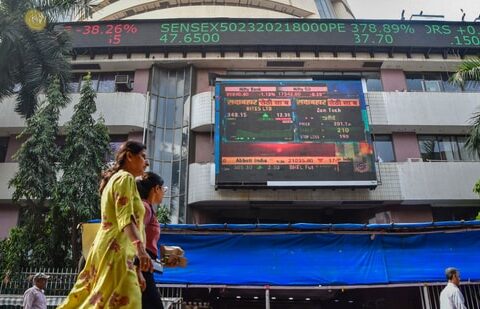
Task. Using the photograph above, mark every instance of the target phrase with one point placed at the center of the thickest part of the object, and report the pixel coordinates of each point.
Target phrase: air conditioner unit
(123, 82)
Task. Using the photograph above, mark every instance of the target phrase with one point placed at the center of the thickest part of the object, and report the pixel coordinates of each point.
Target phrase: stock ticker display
(240, 33)
(292, 133)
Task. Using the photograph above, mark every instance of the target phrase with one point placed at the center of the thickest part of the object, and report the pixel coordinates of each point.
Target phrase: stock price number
(199, 38)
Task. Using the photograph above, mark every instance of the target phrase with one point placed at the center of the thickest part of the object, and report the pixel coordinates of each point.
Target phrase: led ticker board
(292, 133)
(240, 33)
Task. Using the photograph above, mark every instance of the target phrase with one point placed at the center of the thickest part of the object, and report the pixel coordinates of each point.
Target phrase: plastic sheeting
(312, 259)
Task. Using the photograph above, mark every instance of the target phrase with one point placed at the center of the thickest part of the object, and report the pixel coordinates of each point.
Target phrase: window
(106, 82)
(101, 81)
(432, 82)
(3, 148)
(324, 8)
(383, 148)
(436, 82)
(373, 81)
(414, 82)
(115, 142)
(465, 153)
(444, 148)
(447, 86)
(428, 148)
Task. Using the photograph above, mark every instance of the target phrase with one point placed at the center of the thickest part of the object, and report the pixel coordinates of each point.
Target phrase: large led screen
(292, 133)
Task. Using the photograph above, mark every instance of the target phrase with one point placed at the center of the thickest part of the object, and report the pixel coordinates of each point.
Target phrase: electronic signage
(173, 34)
(292, 133)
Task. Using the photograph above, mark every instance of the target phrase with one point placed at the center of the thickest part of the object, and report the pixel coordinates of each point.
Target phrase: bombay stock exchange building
(216, 90)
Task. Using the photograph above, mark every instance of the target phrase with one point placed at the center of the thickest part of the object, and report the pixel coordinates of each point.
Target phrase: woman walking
(110, 279)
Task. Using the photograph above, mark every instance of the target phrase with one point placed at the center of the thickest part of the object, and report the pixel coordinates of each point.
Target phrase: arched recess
(149, 6)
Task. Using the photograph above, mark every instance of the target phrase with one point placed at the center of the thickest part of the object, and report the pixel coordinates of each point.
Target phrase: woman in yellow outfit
(110, 279)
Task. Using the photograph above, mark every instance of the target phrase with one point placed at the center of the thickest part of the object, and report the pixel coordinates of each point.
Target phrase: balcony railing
(413, 182)
(121, 111)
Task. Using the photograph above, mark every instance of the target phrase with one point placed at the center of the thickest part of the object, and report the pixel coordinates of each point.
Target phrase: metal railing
(60, 282)
(431, 294)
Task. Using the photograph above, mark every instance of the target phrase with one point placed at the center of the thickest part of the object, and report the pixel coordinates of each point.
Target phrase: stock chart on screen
(292, 133)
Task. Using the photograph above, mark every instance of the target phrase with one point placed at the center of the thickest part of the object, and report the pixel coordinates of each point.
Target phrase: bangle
(136, 242)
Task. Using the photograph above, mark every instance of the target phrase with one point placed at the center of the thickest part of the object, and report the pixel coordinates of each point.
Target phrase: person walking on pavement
(34, 297)
(451, 297)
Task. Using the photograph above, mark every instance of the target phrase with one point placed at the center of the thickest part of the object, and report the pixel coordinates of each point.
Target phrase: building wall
(393, 80)
(405, 146)
(8, 219)
(204, 147)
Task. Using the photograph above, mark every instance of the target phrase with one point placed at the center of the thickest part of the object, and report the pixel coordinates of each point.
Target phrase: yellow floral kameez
(109, 279)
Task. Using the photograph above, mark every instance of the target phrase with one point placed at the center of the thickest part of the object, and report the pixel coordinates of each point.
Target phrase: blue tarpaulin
(306, 256)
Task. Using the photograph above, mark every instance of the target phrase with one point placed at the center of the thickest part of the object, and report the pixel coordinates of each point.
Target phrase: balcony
(422, 112)
(203, 112)
(123, 112)
(434, 183)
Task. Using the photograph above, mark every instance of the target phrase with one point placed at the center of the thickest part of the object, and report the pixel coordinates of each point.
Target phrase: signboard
(238, 33)
(292, 133)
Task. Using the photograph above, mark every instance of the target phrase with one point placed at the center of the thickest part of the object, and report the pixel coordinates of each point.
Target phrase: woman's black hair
(147, 182)
(133, 147)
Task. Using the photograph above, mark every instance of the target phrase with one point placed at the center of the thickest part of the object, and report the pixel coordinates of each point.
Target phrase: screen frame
(280, 184)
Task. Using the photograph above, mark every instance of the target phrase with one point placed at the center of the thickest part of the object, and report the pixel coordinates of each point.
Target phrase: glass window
(163, 76)
(374, 84)
(180, 83)
(177, 144)
(106, 82)
(157, 149)
(175, 178)
(432, 82)
(174, 208)
(154, 101)
(186, 110)
(383, 146)
(324, 9)
(414, 82)
(172, 85)
(166, 173)
(183, 173)
(166, 146)
(184, 142)
(447, 86)
(170, 113)
(74, 83)
(115, 142)
(94, 79)
(181, 210)
(429, 148)
(3, 148)
(169, 121)
(466, 154)
(179, 112)
(161, 112)
(187, 82)
(448, 148)
(471, 86)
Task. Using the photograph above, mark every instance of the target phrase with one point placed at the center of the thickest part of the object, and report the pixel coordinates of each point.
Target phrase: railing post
(267, 297)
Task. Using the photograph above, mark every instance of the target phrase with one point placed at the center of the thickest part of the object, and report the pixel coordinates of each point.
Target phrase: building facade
(164, 95)
(418, 120)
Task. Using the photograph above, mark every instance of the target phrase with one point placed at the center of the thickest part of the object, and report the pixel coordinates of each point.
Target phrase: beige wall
(203, 147)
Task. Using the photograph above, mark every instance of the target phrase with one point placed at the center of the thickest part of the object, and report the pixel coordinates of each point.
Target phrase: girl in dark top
(151, 189)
